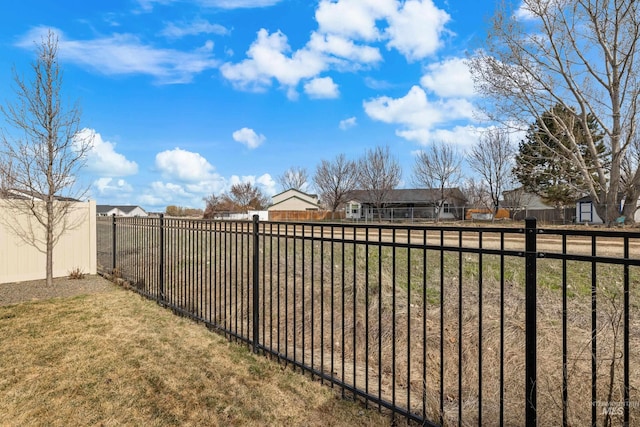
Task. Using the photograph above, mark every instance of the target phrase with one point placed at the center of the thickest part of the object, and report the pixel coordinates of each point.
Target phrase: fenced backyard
(441, 325)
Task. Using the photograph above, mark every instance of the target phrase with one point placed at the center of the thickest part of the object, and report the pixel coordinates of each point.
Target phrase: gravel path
(14, 293)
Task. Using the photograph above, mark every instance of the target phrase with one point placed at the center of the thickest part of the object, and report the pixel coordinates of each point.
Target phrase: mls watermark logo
(614, 408)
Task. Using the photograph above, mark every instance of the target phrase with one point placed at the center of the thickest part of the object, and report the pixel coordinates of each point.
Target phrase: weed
(76, 274)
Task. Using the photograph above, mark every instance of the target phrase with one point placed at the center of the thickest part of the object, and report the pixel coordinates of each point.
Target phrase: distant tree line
(180, 211)
(495, 162)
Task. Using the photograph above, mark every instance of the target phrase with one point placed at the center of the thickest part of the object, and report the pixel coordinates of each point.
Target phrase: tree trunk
(630, 206)
(49, 243)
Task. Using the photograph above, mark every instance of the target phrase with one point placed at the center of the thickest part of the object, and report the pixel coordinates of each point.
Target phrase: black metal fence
(441, 325)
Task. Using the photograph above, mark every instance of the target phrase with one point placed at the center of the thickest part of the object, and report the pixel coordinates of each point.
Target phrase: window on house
(446, 208)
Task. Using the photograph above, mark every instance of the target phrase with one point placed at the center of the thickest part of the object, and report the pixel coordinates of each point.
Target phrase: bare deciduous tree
(476, 193)
(241, 197)
(492, 158)
(580, 55)
(334, 180)
(247, 196)
(293, 178)
(43, 155)
(378, 174)
(439, 168)
(215, 205)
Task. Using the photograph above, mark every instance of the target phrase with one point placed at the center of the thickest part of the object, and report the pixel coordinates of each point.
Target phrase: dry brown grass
(391, 313)
(116, 359)
(397, 315)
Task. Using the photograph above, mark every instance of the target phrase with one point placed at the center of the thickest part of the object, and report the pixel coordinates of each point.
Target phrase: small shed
(586, 211)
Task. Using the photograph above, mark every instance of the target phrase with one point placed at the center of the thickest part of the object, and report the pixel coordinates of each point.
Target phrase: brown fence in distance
(304, 215)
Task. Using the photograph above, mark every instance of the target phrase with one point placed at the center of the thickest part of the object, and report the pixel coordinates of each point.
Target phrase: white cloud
(524, 12)
(264, 182)
(102, 158)
(154, 201)
(463, 136)
(248, 137)
(348, 123)
(124, 54)
(412, 110)
(341, 47)
(449, 78)
(322, 87)
(416, 27)
(354, 19)
(416, 114)
(190, 194)
(198, 26)
(161, 194)
(267, 60)
(108, 187)
(347, 30)
(184, 166)
(376, 84)
(267, 183)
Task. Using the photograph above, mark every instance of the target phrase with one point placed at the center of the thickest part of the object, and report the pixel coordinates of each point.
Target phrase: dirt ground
(63, 287)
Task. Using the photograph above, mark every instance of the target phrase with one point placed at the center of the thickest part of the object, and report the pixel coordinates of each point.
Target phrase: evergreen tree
(546, 164)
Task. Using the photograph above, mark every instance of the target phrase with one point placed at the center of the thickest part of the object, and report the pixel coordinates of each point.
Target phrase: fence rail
(441, 325)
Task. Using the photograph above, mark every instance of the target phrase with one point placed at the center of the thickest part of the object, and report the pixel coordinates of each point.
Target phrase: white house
(131, 211)
(294, 200)
(586, 212)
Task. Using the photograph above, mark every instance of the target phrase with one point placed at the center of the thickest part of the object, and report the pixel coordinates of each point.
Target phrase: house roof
(415, 195)
(523, 199)
(588, 198)
(297, 198)
(14, 193)
(297, 191)
(102, 209)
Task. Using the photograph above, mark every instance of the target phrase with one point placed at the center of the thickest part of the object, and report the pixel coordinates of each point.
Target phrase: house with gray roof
(120, 210)
(399, 204)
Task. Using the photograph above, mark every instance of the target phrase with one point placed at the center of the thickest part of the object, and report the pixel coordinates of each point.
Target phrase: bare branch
(293, 178)
(439, 168)
(41, 158)
(492, 159)
(378, 174)
(334, 180)
(580, 55)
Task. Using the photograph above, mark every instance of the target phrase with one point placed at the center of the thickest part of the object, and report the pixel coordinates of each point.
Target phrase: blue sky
(187, 97)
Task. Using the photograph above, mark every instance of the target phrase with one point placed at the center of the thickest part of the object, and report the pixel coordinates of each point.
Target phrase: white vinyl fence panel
(76, 249)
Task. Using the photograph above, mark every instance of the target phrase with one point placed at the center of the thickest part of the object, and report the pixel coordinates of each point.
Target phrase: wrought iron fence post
(161, 266)
(255, 285)
(113, 244)
(531, 255)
